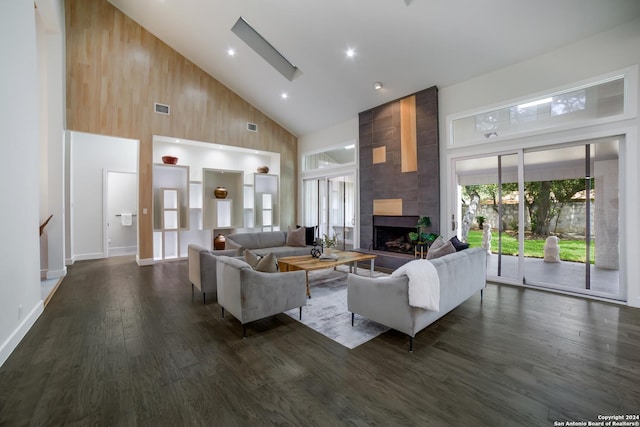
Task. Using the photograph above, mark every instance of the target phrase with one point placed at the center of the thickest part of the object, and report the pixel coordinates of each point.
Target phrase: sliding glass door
(547, 217)
(329, 202)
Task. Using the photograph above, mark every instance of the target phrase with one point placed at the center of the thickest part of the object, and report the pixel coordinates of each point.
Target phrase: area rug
(326, 311)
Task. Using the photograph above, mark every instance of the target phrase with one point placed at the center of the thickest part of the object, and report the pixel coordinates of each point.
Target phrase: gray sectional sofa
(265, 242)
(385, 300)
(202, 262)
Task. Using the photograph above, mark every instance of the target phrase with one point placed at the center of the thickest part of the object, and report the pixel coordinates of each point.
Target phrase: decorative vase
(219, 242)
(263, 169)
(169, 160)
(220, 192)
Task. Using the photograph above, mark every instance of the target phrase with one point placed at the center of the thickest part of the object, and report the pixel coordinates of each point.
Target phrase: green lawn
(570, 250)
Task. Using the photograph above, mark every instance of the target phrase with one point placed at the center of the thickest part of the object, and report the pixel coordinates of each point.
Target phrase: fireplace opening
(391, 233)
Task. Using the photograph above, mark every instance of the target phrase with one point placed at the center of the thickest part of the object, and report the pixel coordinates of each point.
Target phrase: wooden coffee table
(309, 263)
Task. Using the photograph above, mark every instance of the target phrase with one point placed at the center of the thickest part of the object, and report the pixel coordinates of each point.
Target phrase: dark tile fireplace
(391, 233)
(393, 192)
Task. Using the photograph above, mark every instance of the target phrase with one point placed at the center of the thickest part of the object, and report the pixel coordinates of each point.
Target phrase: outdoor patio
(564, 275)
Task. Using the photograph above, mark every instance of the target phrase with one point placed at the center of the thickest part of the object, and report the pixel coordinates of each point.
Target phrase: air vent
(252, 127)
(161, 108)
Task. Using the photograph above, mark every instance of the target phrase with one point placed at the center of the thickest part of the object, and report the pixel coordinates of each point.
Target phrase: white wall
(20, 303)
(607, 52)
(50, 25)
(202, 155)
(342, 133)
(92, 156)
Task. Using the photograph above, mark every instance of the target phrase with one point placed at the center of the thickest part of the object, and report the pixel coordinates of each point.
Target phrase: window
(573, 107)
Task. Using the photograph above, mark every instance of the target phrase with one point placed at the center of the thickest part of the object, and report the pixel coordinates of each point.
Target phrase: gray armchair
(202, 268)
(251, 295)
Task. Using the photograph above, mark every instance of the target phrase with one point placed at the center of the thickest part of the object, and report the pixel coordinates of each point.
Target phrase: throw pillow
(309, 235)
(443, 250)
(251, 258)
(296, 237)
(458, 244)
(267, 264)
(437, 243)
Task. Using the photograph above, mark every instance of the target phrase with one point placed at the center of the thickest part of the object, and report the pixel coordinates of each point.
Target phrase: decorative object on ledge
(263, 169)
(169, 160)
(220, 192)
(219, 242)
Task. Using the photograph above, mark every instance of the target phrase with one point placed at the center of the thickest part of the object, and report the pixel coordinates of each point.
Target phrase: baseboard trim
(86, 257)
(55, 274)
(123, 250)
(14, 339)
(145, 261)
(53, 291)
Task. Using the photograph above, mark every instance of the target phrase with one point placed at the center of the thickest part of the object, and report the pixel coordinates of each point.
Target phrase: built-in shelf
(171, 176)
(233, 182)
(263, 190)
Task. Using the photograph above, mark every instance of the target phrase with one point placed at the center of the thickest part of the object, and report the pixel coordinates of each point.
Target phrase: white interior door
(122, 209)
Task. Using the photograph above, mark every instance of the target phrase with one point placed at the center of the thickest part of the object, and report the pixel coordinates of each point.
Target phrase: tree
(537, 198)
(467, 220)
(544, 200)
(563, 191)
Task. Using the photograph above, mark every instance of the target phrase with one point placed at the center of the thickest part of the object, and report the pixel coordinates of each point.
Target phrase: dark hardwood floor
(125, 345)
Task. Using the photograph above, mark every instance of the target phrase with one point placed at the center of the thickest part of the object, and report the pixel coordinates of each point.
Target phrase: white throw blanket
(424, 284)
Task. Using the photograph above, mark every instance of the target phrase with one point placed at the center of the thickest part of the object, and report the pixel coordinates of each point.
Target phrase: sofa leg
(410, 344)
(244, 331)
(222, 312)
(204, 298)
(481, 294)
(192, 290)
(300, 312)
(353, 315)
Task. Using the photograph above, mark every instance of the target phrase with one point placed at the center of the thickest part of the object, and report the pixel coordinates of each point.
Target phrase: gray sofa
(265, 242)
(251, 295)
(386, 301)
(202, 268)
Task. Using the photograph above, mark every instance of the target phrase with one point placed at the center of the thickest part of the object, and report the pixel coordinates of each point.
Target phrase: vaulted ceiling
(407, 45)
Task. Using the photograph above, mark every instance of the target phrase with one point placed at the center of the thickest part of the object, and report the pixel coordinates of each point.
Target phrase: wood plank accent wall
(408, 141)
(116, 70)
(419, 191)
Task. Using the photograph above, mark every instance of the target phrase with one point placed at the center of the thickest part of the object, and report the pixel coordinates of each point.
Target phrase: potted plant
(419, 238)
(329, 242)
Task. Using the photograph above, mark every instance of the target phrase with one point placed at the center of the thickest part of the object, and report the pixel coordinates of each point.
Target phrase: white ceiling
(408, 45)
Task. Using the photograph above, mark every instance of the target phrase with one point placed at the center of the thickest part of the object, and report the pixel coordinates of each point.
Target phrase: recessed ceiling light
(350, 147)
(351, 53)
(377, 85)
(284, 95)
(231, 52)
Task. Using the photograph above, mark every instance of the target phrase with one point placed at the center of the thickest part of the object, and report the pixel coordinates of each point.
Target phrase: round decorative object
(315, 252)
(219, 242)
(169, 160)
(263, 169)
(220, 192)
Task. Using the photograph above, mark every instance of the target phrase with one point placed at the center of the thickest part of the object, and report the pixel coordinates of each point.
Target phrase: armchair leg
(222, 312)
(410, 344)
(300, 312)
(204, 298)
(244, 331)
(192, 290)
(353, 315)
(481, 294)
